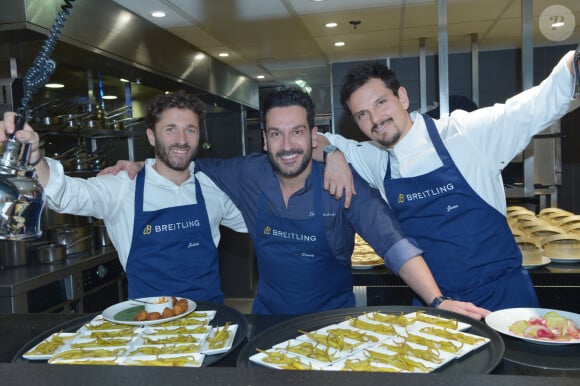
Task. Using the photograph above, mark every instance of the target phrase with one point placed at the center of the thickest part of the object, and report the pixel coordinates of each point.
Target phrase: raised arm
(26, 135)
(337, 173)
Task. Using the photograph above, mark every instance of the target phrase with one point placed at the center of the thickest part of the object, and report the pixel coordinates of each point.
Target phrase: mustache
(179, 147)
(283, 153)
(381, 123)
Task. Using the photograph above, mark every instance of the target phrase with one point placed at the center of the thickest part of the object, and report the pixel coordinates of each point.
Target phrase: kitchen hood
(105, 35)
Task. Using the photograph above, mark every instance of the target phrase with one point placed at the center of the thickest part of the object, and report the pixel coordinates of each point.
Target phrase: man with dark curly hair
(302, 235)
(442, 177)
(165, 223)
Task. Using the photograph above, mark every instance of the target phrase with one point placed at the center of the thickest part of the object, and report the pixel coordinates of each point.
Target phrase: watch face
(330, 149)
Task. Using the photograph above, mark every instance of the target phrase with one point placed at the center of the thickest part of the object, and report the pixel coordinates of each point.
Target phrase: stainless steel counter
(59, 287)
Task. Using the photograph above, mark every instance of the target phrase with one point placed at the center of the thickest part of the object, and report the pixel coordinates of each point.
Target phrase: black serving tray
(223, 315)
(481, 361)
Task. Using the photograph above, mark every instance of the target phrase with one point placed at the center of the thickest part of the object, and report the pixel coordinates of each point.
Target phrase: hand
(132, 168)
(26, 135)
(338, 178)
(464, 308)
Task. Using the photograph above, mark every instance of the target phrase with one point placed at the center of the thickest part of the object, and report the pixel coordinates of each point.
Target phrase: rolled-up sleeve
(374, 220)
(401, 252)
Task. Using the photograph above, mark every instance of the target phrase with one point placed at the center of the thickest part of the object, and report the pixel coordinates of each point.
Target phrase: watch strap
(438, 300)
(325, 153)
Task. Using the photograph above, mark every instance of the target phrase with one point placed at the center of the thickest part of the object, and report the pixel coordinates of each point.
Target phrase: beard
(386, 137)
(286, 171)
(174, 162)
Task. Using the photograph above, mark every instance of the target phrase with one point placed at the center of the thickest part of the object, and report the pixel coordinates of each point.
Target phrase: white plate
(31, 355)
(306, 363)
(545, 261)
(367, 266)
(461, 326)
(111, 312)
(232, 329)
(565, 259)
(501, 321)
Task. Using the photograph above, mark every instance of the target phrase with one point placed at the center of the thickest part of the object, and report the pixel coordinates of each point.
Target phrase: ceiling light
(339, 44)
(54, 85)
(331, 25)
(224, 54)
(260, 77)
(316, 1)
(125, 80)
(558, 24)
(158, 14)
(109, 97)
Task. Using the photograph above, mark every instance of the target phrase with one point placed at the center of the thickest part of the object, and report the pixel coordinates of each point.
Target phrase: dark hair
(361, 74)
(180, 99)
(289, 97)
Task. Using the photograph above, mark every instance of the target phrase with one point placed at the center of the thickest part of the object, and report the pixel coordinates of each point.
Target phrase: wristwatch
(438, 300)
(329, 149)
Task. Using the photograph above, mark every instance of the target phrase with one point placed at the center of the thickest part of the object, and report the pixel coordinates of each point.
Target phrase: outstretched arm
(337, 173)
(417, 275)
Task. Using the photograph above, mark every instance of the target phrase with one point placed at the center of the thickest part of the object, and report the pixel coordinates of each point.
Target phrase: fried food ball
(173, 300)
(179, 308)
(140, 316)
(167, 313)
(153, 316)
(183, 302)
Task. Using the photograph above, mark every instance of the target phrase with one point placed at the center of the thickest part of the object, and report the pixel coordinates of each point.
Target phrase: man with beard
(303, 236)
(164, 224)
(442, 178)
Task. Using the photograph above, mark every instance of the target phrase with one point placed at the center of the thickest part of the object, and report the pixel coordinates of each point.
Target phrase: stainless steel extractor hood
(104, 33)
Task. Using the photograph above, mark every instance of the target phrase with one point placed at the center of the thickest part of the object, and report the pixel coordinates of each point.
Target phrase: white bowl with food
(157, 303)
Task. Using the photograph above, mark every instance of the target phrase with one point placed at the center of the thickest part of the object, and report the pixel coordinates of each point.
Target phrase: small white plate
(34, 356)
(501, 321)
(187, 360)
(114, 313)
(232, 329)
(565, 259)
(545, 261)
(306, 363)
(367, 266)
(461, 326)
(287, 346)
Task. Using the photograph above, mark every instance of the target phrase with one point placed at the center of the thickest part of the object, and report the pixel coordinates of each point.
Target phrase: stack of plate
(552, 235)
(364, 256)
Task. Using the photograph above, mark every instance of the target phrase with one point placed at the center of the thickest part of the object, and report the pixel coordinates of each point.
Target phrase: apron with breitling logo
(172, 251)
(468, 244)
(298, 273)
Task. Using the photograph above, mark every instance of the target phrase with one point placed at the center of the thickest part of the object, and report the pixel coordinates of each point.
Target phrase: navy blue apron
(468, 244)
(298, 273)
(172, 251)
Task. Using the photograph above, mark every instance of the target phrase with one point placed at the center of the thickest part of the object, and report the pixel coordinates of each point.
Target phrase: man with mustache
(302, 235)
(165, 224)
(442, 178)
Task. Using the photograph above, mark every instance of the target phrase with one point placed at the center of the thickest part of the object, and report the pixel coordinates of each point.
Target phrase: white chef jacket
(481, 143)
(112, 198)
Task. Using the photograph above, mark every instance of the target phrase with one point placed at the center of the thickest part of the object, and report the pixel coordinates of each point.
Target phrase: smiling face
(289, 141)
(176, 138)
(379, 113)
